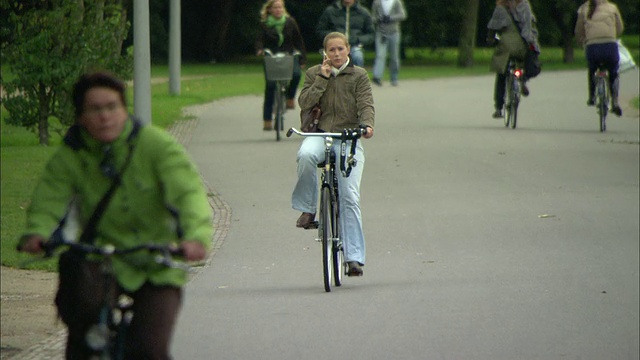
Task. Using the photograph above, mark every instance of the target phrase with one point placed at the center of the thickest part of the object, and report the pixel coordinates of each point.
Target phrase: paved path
(483, 242)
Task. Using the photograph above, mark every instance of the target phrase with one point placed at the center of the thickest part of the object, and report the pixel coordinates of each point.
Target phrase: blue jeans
(305, 194)
(357, 55)
(390, 43)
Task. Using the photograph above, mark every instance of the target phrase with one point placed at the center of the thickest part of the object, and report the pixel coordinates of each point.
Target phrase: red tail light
(517, 73)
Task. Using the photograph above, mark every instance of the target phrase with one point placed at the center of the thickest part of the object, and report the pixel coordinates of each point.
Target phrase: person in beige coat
(345, 97)
(598, 26)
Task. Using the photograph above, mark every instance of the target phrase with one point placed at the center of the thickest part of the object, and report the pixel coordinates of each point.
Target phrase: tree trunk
(468, 33)
(567, 50)
(43, 114)
(218, 30)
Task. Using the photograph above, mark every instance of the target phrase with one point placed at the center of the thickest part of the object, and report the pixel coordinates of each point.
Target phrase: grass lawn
(22, 159)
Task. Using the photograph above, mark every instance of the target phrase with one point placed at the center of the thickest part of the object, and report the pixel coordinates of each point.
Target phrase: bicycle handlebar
(164, 257)
(346, 134)
(280, 54)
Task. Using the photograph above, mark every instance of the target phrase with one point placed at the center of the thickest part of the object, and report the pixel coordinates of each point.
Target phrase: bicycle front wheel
(337, 250)
(279, 111)
(326, 232)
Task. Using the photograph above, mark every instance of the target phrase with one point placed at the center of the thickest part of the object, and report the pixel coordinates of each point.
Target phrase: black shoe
(354, 268)
(306, 221)
(616, 110)
(377, 82)
(591, 102)
(525, 90)
(498, 114)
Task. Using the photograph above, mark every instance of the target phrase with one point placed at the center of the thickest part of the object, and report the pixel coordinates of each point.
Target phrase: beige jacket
(604, 26)
(346, 100)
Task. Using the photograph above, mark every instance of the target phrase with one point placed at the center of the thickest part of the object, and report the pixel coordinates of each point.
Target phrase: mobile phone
(325, 56)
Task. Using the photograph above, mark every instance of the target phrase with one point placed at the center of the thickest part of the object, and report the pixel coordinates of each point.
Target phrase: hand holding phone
(326, 64)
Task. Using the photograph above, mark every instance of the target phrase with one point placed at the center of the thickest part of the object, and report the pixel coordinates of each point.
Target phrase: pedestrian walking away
(513, 21)
(598, 26)
(387, 15)
(345, 97)
(122, 184)
(353, 20)
(279, 32)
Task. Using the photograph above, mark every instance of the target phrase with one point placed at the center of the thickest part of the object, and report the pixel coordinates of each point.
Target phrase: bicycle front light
(517, 73)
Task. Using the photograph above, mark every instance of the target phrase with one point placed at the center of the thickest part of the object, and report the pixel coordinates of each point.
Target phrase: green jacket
(346, 100)
(160, 181)
(334, 18)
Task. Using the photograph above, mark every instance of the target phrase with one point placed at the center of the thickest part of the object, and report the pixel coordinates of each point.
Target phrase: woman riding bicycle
(511, 44)
(598, 26)
(279, 32)
(159, 199)
(345, 97)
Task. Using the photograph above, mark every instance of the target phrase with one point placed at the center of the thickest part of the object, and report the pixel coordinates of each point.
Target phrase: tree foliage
(47, 45)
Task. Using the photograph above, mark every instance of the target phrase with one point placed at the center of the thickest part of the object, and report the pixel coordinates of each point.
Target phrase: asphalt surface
(482, 242)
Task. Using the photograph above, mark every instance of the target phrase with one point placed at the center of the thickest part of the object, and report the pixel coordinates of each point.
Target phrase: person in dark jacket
(351, 19)
(279, 32)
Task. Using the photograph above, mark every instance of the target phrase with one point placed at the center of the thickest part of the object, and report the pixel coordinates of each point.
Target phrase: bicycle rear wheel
(325, 229)
(603, 102)
(509, 95)
(515, 101)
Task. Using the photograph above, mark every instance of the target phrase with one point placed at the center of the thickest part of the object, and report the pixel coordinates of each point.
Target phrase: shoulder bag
(532, 65)
(309, 119)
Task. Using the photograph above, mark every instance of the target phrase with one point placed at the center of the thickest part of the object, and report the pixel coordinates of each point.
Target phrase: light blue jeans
(357, 56)
(390, 43)
(305, 194)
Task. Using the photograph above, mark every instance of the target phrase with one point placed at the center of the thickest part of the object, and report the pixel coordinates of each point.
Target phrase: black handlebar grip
(289, 132)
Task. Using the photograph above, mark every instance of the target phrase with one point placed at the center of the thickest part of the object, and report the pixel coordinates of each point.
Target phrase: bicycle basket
(279, 68)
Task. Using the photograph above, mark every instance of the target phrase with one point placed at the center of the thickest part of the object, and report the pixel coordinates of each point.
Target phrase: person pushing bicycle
(127, 184)
(345, 97)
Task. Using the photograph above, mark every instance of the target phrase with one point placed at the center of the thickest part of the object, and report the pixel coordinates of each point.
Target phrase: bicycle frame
(106, 338)
(281, 80)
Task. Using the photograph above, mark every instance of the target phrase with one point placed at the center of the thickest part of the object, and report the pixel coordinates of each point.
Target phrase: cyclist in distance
(598, 26)
(159, 199)
(511, 44)
(279, 32)
(345, 97)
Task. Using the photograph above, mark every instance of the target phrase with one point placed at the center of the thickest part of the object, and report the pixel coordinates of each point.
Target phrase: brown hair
(92, 80)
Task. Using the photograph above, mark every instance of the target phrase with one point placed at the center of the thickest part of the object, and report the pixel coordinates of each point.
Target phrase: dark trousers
(604, 56)
(500, 89)
(149, 334)
(270, 91)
